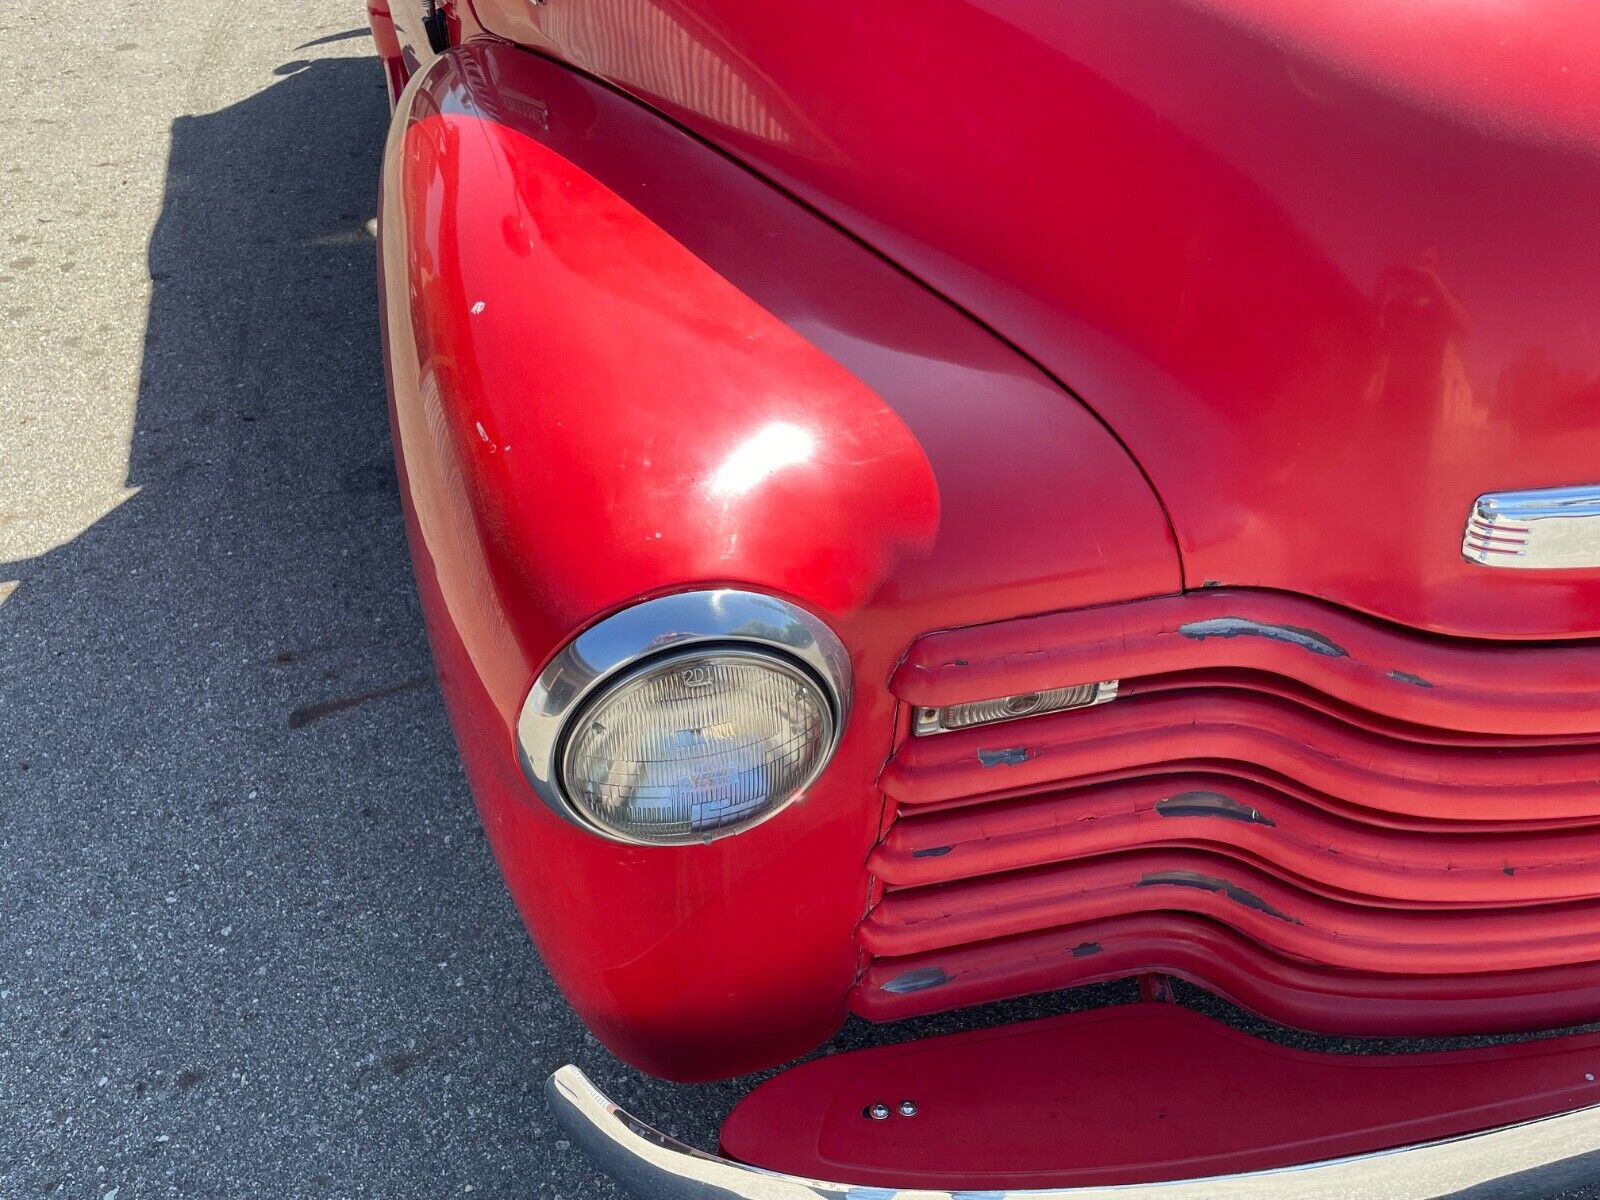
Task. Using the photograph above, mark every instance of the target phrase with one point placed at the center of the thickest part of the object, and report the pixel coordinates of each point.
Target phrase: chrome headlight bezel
(619, 646)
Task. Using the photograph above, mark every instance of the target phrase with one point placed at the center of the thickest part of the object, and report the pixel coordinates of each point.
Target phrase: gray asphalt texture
(253, 940)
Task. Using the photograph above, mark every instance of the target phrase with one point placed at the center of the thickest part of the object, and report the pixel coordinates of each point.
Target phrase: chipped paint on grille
(1294, 635)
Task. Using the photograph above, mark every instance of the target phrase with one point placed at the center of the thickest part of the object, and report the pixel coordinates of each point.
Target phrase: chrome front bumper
(1538, 1158)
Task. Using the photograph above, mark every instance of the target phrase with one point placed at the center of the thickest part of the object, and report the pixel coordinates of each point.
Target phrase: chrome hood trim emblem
(1544, 528)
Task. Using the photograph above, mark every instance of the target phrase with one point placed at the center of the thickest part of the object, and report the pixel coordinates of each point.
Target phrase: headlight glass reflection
(697, 744)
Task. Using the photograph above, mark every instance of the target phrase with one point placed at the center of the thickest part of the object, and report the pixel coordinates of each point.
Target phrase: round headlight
(696, 744)
(685, 718)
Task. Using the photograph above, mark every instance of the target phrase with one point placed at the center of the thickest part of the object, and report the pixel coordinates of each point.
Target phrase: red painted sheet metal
(1129, 1094)
(1285, 918)
(1141, 733)
(1309, 846)
(1487, 687)
(1328, 278)
(1294, 993)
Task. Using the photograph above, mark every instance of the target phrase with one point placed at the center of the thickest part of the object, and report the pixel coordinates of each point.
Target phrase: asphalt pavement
(253, 942)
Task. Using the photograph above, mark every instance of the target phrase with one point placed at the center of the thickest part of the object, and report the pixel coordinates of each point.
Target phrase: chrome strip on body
(928, 722)
(1537, 1158)
(1547, 528)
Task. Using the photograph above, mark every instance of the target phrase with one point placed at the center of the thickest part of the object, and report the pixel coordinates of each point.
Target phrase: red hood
(1329, 271)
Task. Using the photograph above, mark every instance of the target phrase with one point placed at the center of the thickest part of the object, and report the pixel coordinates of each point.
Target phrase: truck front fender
(621, 366)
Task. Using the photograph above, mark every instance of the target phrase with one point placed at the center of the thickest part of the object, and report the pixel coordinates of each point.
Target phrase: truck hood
(1330, 272)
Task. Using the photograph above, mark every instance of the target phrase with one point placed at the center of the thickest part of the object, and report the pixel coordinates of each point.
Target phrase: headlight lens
(696, 744)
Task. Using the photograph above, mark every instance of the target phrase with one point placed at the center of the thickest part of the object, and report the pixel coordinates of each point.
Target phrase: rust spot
(931, 852)
(1210, 883)
(306, 714)
(1294, 635)
(1408, 677)
(1010, 757)
(1211, 804)
(1085, 949)
(919, 980)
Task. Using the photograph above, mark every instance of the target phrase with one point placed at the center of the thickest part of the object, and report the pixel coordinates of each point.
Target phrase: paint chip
(1211, 804)
(1293, 635)
(1408, 677)
(1210, 883)
(478, 307)
(919, 980)
(1010, 757)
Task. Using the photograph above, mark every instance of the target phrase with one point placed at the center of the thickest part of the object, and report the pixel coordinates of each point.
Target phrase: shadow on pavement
(253, 938)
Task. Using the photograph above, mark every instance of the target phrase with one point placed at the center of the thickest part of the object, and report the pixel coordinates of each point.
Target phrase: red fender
(619, 366)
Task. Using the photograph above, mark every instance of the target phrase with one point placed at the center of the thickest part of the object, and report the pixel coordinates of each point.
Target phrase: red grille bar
(1250, 821)
(1278, 915)
(1302, 995)
(1365, 770)
(1483, 686)
(1339, 823)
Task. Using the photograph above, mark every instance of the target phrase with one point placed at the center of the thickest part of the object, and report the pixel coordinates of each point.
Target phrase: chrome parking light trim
(1547, 528)
(1537, 1158)
(928, 722)
(649, 629)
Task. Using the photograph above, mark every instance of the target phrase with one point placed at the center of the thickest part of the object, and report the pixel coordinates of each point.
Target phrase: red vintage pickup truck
(922, 504)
